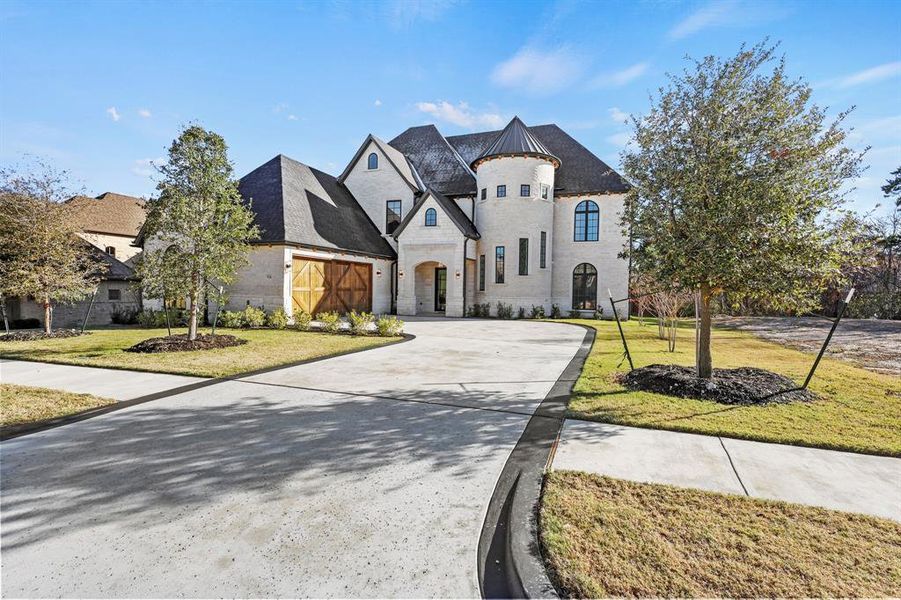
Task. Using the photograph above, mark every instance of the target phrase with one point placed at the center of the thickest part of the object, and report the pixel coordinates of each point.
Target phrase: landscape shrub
(574, 314)
(302, 320)
(555, 311)
(126, 315)
(480, 310)
(253, 317)
(360, 322)
(151, 318)
(331, 321)
(504, 311)
(232, 319)
(389, 326)
(599, 313)
(277, 319)
(521, 313)
(537, 312)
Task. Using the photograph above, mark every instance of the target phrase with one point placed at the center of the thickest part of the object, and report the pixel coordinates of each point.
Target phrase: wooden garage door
(320, 285)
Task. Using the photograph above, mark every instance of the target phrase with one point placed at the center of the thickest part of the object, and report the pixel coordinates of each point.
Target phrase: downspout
(465, 242)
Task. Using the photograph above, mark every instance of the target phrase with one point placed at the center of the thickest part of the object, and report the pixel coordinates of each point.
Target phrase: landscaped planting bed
(605, 537)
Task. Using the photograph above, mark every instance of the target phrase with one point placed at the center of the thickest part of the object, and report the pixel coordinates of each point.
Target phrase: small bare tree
(667, 305)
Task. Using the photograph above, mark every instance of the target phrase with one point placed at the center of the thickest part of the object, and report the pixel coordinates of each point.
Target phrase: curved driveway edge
(510, 561)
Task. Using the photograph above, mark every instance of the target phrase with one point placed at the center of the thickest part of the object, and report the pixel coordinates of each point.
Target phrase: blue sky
(101, 88)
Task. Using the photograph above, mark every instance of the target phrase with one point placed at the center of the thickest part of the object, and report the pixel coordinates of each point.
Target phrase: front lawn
(265, 348)
(859, 410)
(605, 537)
(21, 405)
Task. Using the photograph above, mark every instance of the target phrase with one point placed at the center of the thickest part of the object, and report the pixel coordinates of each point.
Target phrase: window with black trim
(484, 193)
(499, 264)
(111, 250)
(392, 215)
(482, 273)
(525, 190)
(542, 251)
(586, 222)
(544, 190)
(585, 287)
(431, 217)
(523, 256)
(501, 191)
(373, 161)
(114, 294)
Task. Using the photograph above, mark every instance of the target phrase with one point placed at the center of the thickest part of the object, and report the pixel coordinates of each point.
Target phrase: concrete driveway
(364, 475)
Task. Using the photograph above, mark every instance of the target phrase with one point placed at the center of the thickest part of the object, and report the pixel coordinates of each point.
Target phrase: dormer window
(501, 191)
(525, 190)
(111, 250)
(373, 161)
(431, 217)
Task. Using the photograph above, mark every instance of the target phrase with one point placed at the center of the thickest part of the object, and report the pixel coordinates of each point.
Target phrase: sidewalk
(106, 383)
(827, 478)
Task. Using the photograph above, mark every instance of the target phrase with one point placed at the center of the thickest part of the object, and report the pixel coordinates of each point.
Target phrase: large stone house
(428, 224)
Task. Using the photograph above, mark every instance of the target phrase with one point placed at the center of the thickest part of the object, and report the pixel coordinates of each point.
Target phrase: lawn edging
(15, 431)
(510, 564)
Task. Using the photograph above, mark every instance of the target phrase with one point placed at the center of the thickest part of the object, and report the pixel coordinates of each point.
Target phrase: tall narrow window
(542, 251)
(544, 190)
(523, 256)
(499, 264)
(501, 191)
(111, 250)
(484, 193)
(585, 287)
(482, 273)
(392, 215)
(525, 190)
(431, 217)
(586, 223)
(373, 161)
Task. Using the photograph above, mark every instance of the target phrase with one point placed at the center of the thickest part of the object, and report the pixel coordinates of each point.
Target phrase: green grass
(20, 404)
(265, 348)
(605, 537)
(858, 410)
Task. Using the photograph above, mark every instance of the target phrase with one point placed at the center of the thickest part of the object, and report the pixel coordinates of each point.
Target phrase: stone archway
(430, 287)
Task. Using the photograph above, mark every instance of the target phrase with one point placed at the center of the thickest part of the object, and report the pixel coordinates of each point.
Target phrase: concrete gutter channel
(20, 430)
(510, 560)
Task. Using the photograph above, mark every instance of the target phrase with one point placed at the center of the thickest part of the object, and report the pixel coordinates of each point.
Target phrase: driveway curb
(15, 431)
(510, 561)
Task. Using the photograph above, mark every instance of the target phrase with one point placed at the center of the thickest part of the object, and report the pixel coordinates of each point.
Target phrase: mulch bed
(181, 343)
(30, 336)
(743, 386)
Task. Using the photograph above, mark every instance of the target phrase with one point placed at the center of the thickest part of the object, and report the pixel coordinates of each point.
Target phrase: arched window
(587, 218)
(431, 217)
(373, 162)
(585, 287)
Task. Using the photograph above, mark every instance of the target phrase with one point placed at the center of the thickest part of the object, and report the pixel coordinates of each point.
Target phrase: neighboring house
(427, 224)
(109, 224)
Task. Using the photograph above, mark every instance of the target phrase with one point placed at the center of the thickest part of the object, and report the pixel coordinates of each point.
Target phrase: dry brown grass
(606, 537)
(20, 404)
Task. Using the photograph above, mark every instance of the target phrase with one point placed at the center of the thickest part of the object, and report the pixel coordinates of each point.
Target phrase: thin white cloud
(292, 117)
(404, 13)
(871, 75)
(621, 139)
(377, 102)
(113, 113)
(622, 77)
(460, 114)
(144, 167)
(539, 72)
(280, 107)
(145, 113)
(727, 13)
(617, 115)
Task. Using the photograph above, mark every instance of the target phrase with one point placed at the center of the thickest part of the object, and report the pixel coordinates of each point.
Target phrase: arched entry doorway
(430, 288)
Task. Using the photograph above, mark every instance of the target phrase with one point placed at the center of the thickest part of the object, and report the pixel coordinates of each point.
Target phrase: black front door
(440, 289)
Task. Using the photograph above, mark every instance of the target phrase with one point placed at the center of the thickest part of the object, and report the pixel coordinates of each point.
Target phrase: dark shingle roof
(112, 213)
(436, 161)
(451, 209)
(295, 203)
(580, 172)
(516, 140)
(115, 270)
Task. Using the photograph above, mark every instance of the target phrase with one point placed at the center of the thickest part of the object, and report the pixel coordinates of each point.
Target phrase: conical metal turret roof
(516, 140)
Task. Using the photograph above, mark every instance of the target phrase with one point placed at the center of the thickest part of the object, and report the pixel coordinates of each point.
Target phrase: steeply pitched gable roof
(450, 208)
(115, 214)
(295, 203)
(436, 161)
(515, 140)
(116, 270)
(395, 159)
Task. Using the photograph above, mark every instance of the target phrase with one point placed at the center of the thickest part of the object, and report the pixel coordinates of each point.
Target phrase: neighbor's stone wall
(71, 315)
(122, 244)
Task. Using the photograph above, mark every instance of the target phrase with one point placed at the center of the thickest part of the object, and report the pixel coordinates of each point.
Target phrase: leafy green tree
(41, 254)
(737, 183)
(892, 187)
(198, 229)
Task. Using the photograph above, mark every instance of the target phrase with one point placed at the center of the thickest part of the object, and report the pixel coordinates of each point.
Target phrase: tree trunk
(47, 316)
(704, 360)
(192, 322)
